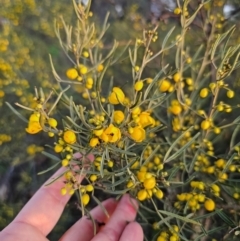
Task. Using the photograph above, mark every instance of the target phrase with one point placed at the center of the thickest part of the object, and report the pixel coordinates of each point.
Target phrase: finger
(133, 231)
(125, 212)
(45, 207)
(85, 227)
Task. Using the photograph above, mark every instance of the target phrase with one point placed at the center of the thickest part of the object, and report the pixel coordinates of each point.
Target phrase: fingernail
(130, 200)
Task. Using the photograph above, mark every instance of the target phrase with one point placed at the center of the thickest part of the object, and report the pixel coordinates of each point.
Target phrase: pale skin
(38, 217)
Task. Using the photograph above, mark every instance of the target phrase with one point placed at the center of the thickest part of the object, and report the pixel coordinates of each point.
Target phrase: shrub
(168, 136)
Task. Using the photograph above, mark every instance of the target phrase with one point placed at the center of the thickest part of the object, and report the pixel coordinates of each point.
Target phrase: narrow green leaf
(156, 78)
(167, 37)
(151, 156)
(225, 218)
(20, 116)
(99, 203)
(185, 219)
(53, 179)
(51, 156)
(173, 145)
(102, 164)
(219, 39)
(191, 19)
(49, 169)
(118, 150)
(116, 183)
(114, 192)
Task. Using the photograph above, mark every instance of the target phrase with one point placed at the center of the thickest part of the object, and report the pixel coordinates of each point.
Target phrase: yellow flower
(98, 132)
(94, 141)
(135, 165)
(93, 178)
(177, 77)
(72, 73)
(110, 163)
(34, 117)
(111, 134)
(142, 195)
(177, 11)
(220, 163)
(236, 195)
(89, 188)
(58, 148)
(117, 96)
(104, 137)
(230, 94)
(136, 68)
(69, 137)
(89, 86)
(65, 162)
(215, 188)
(205, 124)
(2, 93)
(201, 197)
(176, 125)
(50, 134)
(85, 95)
(204, 92)
(126, 101)
(85, 199)
(164, 85)
(145, 119)
(149, 183)
(138, 134)
(33, 127)
(159, 194)
(100, 67)
(138, 85)
(209, 205)
(141, 175)
(89, 81)
(63, 191)
(52, 122)
(175, 109)
(85, 54)
(149, 80)
(136, 110)
(181, 197)
(130, 184)
(118, 116)
(189, 81)
(83, 69)
(34, 124)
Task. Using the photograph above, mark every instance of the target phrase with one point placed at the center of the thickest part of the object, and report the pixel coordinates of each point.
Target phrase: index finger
(45, 208)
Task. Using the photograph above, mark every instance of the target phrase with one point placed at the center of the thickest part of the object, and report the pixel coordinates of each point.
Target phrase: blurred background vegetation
(27, 38)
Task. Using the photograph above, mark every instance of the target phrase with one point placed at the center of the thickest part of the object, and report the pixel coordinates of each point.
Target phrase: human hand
(41, 213)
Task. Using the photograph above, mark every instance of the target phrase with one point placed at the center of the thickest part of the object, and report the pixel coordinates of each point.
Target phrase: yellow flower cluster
(69, 137)
(170, 234)
(71, 185)
(4, 138)
(175, 107)
(122, 127)
(34, 125)
(118, 116)
(197, 197)
(117, 96)
(72, 73)
(33, 149)
(149, 185)
(142, 119)
(110, 134)
(137, 133)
